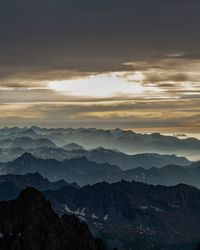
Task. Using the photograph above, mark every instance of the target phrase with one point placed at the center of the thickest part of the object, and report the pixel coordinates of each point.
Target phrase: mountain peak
(26, 156)
(29, 222)
(99, 148)
(73, 146)
(34, 127)
(31, 195)
(28, 131)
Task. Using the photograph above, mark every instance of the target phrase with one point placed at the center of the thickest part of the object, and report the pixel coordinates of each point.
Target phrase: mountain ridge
(124, 211)
(130, 209)
(29, 223)
(125, 141)
(82, 171)
(99, 155)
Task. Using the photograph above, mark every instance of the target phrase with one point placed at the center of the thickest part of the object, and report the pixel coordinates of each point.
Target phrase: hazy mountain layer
(99, 155)
(26, 143)
(83, 171)
(78, 170)
(125, 162)
(126, 141)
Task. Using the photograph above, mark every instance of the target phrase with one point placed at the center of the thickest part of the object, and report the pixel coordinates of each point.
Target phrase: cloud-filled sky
(103, 63)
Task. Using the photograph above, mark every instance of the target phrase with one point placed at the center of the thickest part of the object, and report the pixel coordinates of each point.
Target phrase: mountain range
(45, 149)
(125, 141)
(11, 185)
(78, 170)
(127, 215)
(134, 215)
(83, 172)
(113, 180)
(125, 161)
(26, 143)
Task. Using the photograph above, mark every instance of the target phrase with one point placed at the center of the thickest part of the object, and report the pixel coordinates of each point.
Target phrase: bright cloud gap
(103, 85)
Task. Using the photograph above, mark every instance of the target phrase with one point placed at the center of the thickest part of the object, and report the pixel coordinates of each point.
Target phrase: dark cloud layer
(95, 35)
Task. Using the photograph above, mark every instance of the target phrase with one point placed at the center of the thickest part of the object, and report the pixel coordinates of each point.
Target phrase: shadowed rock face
(29, 223)
(29, 180)
(130, 211)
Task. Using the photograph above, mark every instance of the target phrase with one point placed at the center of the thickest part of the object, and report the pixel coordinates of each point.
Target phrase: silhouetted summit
(29, 223)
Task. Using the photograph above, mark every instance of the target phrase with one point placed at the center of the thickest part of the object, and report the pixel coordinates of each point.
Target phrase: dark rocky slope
(29, 223)
(12, 185)
(128, 211)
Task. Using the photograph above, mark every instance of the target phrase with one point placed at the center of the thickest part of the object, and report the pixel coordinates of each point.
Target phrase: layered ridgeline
(99, 155)
(78, 170)
(128, 215)
(126, 141)
(83, 172)
(29, 223)
(12, 185)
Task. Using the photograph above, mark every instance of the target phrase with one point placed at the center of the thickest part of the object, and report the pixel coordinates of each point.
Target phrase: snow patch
(144, 207)
(67, 209)
(78, 212)
(94, 216)
(81, 218)
(157, 209)
(174, 206)
(105, 217)
(82, 213)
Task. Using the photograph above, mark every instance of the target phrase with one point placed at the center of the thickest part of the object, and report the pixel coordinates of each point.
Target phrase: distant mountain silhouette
(83, 171)
(34, 180)
(125, 141)
(125, 162)
(10, 154)
(168, 175)
(11, 185)
(80, 169)
(29, 132)
(73, 146)
(99, 155)
(29, 223)
(26, 143)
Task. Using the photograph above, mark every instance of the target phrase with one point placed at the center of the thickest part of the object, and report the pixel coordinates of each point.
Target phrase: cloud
(177, 115)
(95, 35)
(169, 97)
(152, 44)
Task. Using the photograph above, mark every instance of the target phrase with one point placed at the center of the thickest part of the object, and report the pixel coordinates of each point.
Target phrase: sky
(132, 64)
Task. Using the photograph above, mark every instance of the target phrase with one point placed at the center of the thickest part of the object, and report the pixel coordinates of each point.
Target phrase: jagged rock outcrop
(29, 223)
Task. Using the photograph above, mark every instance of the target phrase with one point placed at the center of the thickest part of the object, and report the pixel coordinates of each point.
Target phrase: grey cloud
(94, 35)
(155, 114)
(165, 76)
